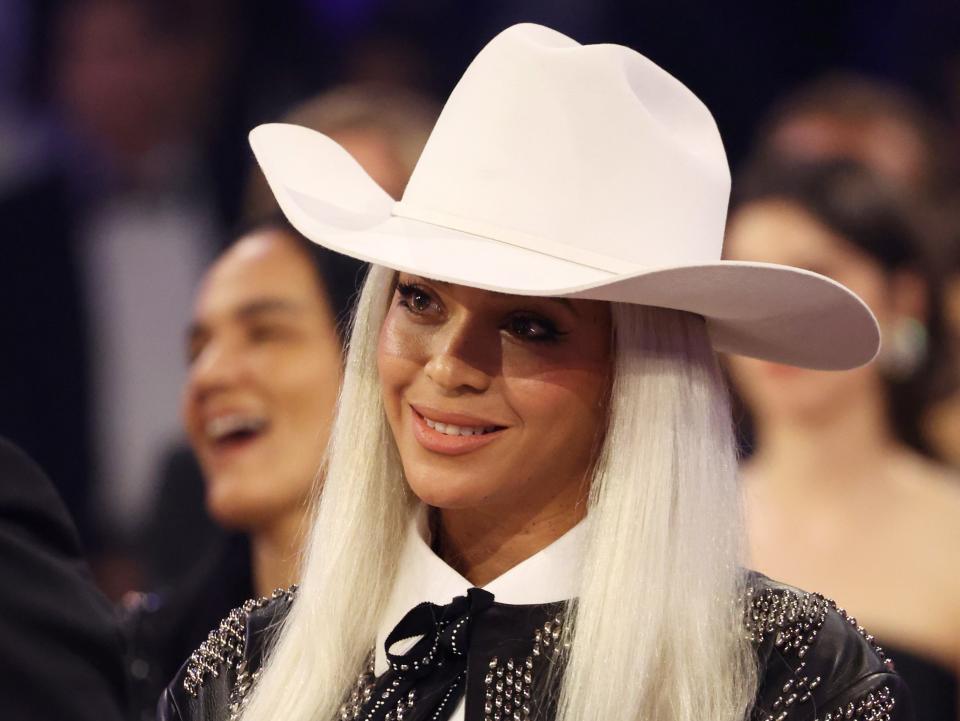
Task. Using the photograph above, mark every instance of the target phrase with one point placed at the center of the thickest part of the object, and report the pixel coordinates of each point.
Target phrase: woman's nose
(219, 366)
(454, 375)
(458, 363)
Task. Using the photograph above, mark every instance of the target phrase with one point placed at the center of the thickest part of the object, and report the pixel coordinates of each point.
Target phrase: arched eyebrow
(265, 306)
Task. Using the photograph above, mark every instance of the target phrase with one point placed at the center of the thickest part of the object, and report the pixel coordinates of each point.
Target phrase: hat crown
(592, 153)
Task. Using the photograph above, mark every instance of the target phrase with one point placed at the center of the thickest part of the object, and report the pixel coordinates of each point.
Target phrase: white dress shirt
(552, 574)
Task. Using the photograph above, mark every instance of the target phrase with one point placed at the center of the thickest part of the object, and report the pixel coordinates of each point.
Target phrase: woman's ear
(905, 345)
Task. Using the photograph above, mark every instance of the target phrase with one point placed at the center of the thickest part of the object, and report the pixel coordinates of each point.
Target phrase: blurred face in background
(775, 231)
(130, 82)
(265, 369)
(886, 145)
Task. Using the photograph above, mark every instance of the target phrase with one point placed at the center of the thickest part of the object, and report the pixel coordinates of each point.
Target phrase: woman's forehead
(258, 266)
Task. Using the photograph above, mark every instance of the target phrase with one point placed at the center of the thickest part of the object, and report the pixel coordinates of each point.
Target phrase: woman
(529, 408)
(265, 360)
(265, 355)
(892, 133)
(841, 464)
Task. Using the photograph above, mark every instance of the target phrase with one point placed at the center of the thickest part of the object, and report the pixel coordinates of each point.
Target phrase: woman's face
(264, 374)
(776, 231)
(497, 402)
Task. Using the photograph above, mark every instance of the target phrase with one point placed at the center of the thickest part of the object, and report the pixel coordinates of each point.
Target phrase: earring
(904, 349)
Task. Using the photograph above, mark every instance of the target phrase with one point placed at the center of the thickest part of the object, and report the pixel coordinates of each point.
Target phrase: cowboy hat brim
(773, 312)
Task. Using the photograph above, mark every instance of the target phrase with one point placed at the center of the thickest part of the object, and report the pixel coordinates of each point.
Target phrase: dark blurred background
(123, 168)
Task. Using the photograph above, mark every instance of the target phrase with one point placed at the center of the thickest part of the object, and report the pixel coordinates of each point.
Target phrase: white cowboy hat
(583, 171)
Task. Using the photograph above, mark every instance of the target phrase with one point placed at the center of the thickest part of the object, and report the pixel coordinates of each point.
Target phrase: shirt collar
(552, 574)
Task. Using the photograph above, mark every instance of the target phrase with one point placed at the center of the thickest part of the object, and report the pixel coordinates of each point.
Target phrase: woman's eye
(532, 328)
(263, 333)
(414, 298)
(193, 352)
(197, 343)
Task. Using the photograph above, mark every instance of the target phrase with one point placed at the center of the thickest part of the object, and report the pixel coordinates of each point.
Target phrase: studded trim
(795, 617)
(888, 663)
(224, 650)
(508, 685)
(875, 705)
(361, 692)
(240, 691)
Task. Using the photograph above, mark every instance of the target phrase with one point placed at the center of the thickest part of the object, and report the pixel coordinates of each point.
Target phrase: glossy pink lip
(438, 442)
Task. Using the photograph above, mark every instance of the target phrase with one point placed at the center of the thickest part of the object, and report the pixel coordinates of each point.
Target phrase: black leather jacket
(815, 663)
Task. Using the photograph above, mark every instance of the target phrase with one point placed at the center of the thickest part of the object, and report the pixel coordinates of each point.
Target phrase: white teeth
(451, 430)
(223, 426)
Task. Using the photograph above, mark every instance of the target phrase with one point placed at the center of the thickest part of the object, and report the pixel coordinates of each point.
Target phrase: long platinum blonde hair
(657, 627)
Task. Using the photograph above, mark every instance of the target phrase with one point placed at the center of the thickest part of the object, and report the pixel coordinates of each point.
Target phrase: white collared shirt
(552, 574)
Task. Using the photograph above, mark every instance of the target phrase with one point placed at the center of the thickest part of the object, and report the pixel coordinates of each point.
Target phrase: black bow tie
(427, 680)
(496, 654)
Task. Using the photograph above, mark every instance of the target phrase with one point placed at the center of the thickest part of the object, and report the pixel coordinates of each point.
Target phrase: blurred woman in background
(265, 365)
(265, 352)
(891, 131)
(842, 493)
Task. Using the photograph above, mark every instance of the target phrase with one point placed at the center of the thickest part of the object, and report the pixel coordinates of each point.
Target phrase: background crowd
(161, 321)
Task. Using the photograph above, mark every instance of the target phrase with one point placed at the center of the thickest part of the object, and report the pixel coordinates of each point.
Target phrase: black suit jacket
(60, 645)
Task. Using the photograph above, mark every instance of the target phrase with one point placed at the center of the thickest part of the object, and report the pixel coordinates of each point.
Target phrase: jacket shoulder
(213, 683)
(816, 662)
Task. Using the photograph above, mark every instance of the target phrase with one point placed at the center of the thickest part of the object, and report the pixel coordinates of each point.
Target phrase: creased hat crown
(591, 153)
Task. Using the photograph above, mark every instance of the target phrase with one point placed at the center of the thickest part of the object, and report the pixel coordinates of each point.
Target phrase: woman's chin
(232, 509)
(449, 494)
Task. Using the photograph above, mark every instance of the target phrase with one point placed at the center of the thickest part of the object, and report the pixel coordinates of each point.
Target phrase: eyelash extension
(408, 290)
(553, 334)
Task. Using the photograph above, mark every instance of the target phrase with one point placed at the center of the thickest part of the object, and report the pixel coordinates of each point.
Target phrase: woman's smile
(228, 435)
(452, 433)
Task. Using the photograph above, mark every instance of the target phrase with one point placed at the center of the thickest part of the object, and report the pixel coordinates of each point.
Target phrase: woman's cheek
(400, 337)
(396, 367)
(555, 397)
